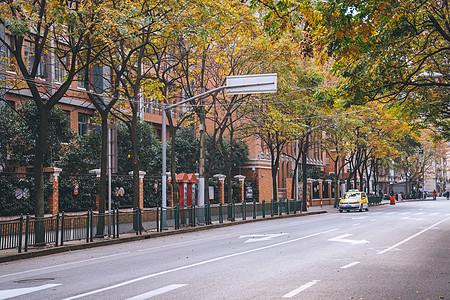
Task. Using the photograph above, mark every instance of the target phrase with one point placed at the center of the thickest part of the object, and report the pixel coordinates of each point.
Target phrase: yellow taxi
(354, 200)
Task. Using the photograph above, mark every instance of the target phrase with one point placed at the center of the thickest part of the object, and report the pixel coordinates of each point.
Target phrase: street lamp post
(245, 84)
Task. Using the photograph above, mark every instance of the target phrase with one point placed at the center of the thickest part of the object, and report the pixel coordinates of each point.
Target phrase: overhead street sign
(252, 84)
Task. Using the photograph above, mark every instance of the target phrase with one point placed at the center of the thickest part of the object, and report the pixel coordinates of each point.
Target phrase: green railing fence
(26, 231)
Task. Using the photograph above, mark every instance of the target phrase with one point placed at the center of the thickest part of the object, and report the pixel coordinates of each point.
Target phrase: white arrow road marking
(342, 238)
(350, 265)
(300, 289)
(5, 294)
(157, 292)
(260, 237)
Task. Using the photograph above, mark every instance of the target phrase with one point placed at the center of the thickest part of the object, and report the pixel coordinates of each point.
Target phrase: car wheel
(340, 210)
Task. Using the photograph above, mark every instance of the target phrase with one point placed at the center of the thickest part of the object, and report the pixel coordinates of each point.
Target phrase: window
(29, 57)
(84, 123)
(81, 84)
(8, 41)
(60, 71)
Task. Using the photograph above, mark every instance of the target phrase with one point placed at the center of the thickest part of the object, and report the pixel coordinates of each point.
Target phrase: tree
(42, 29)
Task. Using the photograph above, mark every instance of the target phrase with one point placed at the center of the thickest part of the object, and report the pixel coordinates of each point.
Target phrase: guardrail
(27, 231)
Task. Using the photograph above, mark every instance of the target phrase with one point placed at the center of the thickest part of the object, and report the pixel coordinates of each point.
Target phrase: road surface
(397, 251)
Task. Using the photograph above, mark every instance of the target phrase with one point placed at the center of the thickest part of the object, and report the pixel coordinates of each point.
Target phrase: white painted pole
(164, 176)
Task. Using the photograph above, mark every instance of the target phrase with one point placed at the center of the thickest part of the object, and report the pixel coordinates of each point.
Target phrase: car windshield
(355, 196)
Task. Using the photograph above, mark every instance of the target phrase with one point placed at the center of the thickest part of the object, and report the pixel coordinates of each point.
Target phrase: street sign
(252, 84)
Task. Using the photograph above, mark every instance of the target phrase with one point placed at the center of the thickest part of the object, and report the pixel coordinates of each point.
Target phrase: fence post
(114, 223)
(117, 222)
(220, 212)
(57, 229)
(193, 215)
(92, 225)
(254, 209)
(161, 219)
(62, 228)
(140, 221)
(157, 218)
(136, 220)
(177, 216)
(233, 210)
(287, 206)
(244, 217)
(295, 206)
(264, 208)
(88, 226)
(20, 233)
(273, 208)
(27, 226)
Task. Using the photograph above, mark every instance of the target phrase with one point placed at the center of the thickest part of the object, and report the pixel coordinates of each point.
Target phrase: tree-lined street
(389, 252)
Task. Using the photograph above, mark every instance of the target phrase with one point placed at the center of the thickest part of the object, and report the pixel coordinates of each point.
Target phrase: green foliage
(10, 205)
(187, 147)
(88, 189)
(17, 135)
(240, 155)
(148, 145)
(83, 154)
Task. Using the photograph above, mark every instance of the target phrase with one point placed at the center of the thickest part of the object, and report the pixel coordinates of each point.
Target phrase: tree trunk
(304, 176)
(39, 151)
(136, 167)
(102, 185)
(336, 183)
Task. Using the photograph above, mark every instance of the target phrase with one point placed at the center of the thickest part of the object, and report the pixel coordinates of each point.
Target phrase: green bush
(87, 191)
(10, 205)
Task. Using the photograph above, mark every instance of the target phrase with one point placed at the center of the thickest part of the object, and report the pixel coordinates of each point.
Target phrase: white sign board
(252, 84)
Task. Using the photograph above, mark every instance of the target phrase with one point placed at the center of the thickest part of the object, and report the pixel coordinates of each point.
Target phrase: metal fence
(26, 231)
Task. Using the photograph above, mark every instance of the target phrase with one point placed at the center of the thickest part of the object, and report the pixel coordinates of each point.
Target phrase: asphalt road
(397, 251)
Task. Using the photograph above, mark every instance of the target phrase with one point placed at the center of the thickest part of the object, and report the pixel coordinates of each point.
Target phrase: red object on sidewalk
(392, 198)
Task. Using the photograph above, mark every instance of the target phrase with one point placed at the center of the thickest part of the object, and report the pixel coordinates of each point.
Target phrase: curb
(148, 235)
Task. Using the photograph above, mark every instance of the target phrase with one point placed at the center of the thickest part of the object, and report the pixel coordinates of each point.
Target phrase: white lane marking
(373, 220)
(359, 218)
(6, 294)
(157, 292)
(404, 213)
(300, 289)
(433, 214)
(76, 263)
(356, 224)
(419, 214)
(198, 264)
(408, 218)
(342, 238)
(390, 213)
(260, 237)
(411, 237)
(350, 265)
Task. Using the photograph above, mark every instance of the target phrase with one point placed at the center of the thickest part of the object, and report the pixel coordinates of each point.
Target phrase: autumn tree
(41, 30)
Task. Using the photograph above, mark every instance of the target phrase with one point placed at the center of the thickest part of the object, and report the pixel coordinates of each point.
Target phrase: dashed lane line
(300, 289)
(157, 292)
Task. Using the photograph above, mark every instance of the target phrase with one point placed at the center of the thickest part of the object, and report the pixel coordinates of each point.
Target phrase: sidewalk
(12, 254)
